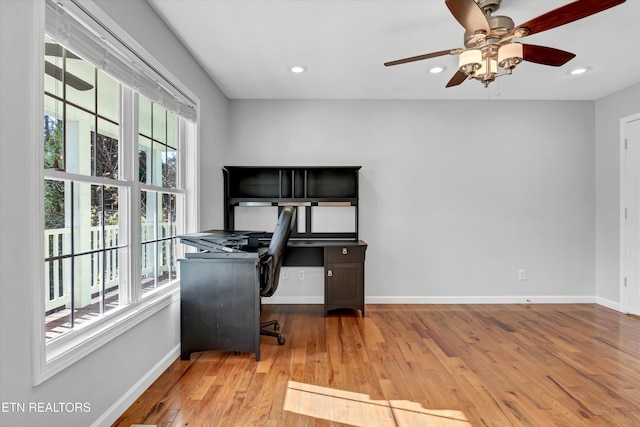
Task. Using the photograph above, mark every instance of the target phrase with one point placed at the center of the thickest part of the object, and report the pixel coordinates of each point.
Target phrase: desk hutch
(341, 253)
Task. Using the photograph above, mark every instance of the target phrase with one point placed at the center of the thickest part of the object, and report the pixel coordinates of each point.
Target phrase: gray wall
(451, 206)
(109, 373)
(609, 111)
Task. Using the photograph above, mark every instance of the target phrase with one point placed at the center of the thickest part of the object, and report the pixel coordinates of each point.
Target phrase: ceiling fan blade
(420, 57)
(73, 81)
(54, 49)
(546, 55)
(568, 13)
(457, 78)
(469, 15)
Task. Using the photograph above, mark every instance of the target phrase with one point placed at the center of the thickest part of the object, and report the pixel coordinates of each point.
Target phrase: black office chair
(270, 263)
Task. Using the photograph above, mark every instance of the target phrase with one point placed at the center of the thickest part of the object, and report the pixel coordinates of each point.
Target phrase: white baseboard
(122, 404)
(609, 304)
(542, 299)
(515, 299)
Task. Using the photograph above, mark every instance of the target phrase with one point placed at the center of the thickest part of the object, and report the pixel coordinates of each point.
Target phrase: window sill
(76, 344)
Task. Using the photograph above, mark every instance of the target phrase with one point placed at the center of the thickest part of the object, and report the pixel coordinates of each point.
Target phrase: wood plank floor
(414, 365)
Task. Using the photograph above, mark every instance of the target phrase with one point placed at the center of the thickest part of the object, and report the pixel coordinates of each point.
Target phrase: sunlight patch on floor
(359, 409)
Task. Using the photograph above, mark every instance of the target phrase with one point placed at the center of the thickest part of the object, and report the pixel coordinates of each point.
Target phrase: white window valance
(91, 39)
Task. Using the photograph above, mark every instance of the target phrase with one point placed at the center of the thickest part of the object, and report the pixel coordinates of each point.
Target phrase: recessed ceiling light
(579, 70)
(298, 69)
(437, 70)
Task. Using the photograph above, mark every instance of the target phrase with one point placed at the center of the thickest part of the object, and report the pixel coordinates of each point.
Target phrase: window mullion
(130, 222)
(181, 199)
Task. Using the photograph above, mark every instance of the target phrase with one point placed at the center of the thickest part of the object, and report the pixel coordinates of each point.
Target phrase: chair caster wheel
(276, 327)
(281, 340)
(237, 353)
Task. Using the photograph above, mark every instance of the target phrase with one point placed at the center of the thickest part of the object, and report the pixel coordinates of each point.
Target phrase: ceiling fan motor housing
(501, 26)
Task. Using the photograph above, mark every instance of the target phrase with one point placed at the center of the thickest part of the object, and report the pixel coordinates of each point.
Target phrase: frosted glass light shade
(510, 55)
(470, 60)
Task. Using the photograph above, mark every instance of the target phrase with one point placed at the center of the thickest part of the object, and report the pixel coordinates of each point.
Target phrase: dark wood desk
(220, 291)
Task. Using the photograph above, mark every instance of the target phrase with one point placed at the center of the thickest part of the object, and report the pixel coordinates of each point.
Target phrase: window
(115, 141)
(158, 168)
(82, 229)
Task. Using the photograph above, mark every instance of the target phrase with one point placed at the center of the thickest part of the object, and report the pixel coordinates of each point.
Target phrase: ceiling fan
(52, 49)
(489, 41)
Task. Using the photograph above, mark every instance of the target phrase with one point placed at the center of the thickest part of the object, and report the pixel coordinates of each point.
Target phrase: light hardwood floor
(414, 365)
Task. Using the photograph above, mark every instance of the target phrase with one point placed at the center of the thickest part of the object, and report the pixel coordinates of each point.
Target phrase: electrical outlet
(301, 275)
(522, 274)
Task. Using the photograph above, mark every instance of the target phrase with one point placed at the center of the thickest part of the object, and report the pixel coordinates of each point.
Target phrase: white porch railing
(58, 272)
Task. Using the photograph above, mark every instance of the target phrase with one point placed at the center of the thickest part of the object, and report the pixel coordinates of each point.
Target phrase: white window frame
(51, 358)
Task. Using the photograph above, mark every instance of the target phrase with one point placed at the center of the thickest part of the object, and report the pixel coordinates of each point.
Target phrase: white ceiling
(248, 47)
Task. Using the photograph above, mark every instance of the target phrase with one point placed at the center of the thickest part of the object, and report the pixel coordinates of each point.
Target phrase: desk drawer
(345, 254)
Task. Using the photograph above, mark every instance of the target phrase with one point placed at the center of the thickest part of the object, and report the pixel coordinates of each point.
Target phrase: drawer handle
(344, 251)
(330, 273)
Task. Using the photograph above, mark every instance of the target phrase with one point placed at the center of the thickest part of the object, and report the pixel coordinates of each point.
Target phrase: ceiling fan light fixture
(510, 55)
(470, 61)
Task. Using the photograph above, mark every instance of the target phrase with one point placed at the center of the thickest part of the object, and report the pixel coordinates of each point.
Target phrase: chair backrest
(271, 261)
